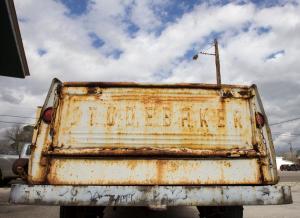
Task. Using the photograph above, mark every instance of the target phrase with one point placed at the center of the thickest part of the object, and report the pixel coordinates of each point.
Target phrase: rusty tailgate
(143, 118)
(105, 133)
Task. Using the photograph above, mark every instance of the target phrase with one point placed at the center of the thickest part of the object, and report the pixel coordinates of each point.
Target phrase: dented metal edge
(269, 146)
(153, 152)
(41, 127)
(150, 195)
(150, 85)
(50, 97)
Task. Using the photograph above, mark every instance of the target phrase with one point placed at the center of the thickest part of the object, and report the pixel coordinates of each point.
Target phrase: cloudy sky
(154, 41)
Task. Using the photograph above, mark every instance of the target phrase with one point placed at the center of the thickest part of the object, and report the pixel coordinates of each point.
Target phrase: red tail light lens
(47, 116)
(260, 120)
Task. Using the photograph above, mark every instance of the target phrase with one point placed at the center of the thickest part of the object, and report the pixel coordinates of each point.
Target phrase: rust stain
(227, 164)
(132, 164)
(91, 90)
(145, 85)
(150, 172)
(152, 152)
(153, 133)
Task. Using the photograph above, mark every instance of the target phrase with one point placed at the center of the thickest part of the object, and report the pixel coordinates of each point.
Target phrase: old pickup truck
(100, 144)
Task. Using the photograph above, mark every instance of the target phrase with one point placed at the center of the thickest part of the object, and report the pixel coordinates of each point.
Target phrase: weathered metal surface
(150, 195)
(151, 118)
(128, 133)
(152, 85)
(179, 152)
(153, 171)
(264, 141)
(41, 139)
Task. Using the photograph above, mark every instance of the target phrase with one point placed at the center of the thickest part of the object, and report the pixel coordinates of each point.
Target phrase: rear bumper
(150, 195)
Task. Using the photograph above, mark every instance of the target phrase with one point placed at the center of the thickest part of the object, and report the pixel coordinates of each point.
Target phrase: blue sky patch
(275, 54)
(205, 46)
(97, 42)
(132, 28)
(41, 52)
(76, 7)
(189, 54)
(174, 10)
(246, 26)
(115, 54)
(170, 13)
(209, 39)
(269, 3)
(263, 30)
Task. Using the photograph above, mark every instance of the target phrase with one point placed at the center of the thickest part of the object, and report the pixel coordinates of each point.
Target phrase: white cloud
(143, 15)
(150, 57)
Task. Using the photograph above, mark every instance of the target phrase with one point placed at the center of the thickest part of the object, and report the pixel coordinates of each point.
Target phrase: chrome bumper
(150, 195)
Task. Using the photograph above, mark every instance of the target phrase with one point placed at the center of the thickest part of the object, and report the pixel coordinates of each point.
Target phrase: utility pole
(291, 150)
(217, 61)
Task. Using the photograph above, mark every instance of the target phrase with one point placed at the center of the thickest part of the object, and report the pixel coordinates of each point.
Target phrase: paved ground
(281, 211)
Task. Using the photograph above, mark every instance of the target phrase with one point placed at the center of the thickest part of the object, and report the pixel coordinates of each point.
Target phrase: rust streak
(149, 85)
(152, 151)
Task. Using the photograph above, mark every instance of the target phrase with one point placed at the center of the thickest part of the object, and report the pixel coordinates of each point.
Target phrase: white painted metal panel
(157, 171)
(150, 195)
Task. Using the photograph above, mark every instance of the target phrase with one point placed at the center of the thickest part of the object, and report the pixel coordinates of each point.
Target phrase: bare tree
(14, 136)
(17, 135)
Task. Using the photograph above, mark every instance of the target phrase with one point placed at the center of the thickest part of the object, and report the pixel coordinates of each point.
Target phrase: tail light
(260, 120)
(47, 115)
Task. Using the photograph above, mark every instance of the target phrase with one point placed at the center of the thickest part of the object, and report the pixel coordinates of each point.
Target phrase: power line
(285, 133)
(6, 115)
(285, 121)
(290, 136)
(2, 121)
(21, 106)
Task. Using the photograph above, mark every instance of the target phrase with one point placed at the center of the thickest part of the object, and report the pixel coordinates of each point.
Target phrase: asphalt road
(280, 211)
